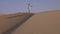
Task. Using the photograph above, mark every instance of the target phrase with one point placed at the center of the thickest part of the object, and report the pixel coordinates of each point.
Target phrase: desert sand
(8, 22)
(41, 23)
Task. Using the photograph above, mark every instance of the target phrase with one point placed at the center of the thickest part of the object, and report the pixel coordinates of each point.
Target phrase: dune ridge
(9, 22)
(41, 23)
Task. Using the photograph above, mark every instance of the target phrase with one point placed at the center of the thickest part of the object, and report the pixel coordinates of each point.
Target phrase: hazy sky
(11, 6)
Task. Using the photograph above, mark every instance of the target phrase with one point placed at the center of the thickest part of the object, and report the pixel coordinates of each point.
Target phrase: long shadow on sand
(17, 25)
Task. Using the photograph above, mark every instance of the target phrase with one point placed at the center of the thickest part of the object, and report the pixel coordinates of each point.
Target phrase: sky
(13, 6)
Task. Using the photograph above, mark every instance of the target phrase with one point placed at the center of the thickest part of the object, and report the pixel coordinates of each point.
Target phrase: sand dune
(9, 21)
(41, 23)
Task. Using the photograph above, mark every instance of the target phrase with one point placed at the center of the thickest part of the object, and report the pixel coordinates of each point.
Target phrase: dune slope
(8, 22)
(41, 23)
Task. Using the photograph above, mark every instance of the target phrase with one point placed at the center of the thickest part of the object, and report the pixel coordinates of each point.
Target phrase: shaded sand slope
(41, 23)
(9, 21)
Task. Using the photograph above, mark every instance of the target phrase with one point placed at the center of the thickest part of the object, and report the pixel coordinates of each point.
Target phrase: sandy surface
(41, 23)
(8, 21)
